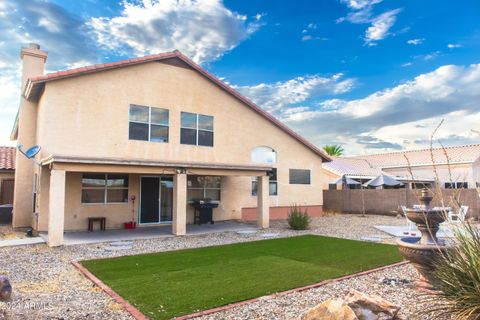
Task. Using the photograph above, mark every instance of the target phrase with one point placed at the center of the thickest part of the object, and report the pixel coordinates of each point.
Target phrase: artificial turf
(167, 284)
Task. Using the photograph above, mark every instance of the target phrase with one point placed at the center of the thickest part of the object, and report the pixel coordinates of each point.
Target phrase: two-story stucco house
(158, 128)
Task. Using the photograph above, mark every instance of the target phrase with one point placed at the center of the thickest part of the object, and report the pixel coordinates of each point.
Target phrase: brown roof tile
(7, 158)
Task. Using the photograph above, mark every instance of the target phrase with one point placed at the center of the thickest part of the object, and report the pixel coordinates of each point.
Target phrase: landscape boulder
(370, 307)
(5, 289)
(334, 309)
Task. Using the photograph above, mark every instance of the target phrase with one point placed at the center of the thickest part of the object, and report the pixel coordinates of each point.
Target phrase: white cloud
(406, 64)
(311, 27)
(360, 4)
(203, 30)
(308, 37)
(453, 45)
(416, 42)
(428, 56)
(397, 117)
(361, 13)
(279, 97)
(58, 32)
(380, 27)
(9, 96)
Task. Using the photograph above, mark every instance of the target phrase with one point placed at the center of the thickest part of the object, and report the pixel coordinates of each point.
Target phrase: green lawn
(163, 285)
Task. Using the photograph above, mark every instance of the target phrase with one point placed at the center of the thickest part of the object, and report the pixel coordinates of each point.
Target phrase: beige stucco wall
(87, 116)
(328, 177)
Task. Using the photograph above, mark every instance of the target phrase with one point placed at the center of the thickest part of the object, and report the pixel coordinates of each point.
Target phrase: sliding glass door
(156, 199)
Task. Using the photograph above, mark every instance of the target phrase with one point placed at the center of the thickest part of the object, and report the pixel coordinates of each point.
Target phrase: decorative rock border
(140, 316)
(125, 304)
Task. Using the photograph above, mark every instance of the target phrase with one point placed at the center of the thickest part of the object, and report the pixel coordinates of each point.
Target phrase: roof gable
(35, 86)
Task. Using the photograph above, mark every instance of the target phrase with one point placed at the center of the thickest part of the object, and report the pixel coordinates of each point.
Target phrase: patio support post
(263, 199)
(56, 215)
(179, 221)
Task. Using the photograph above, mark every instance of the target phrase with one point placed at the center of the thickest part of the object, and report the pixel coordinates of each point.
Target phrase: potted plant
(132, 224)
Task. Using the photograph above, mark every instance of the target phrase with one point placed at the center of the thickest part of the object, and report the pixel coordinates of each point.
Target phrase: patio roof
(197, 167)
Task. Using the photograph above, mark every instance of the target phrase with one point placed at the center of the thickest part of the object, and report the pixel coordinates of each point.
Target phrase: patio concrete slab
(21, 242)
(405, 231)
(87, 237)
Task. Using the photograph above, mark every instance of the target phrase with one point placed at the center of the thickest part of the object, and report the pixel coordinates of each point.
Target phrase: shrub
(458, 274)
(298, 220)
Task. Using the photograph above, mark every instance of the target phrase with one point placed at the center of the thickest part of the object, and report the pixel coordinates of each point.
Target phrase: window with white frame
(272, 184)
(203, 187)
(196, 129)
(104, 188)
(148, 123)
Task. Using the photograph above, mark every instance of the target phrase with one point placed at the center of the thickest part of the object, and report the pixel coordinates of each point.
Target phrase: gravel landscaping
(47, 286)
(7, 233)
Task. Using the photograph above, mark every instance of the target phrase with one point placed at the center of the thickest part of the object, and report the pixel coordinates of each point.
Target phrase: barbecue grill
(203, 211)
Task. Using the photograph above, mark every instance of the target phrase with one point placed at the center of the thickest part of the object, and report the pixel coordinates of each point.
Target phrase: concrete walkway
(85, 237)
(404, 231)
(21, 242)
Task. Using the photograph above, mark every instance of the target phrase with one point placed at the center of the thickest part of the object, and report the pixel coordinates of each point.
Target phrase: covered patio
(87, 237)
(64, 191)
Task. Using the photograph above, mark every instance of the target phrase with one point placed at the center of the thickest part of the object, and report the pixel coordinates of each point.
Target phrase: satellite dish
(31, 152)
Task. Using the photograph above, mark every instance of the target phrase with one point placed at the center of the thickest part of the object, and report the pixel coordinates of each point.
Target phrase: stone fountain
(424, 251)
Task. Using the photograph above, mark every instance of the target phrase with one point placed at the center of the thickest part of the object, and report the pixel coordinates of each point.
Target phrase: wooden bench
(92, 220)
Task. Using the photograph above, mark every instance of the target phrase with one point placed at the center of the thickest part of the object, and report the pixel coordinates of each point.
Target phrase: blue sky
(371, 75)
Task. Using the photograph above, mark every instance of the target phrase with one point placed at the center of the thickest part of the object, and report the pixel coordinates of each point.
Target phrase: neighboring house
(455, 167)
(159, 128)
(7, 174)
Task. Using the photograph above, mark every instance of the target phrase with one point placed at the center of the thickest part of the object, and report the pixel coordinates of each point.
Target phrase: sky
(370, 75)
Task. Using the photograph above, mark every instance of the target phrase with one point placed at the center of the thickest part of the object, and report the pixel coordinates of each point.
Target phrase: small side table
(92, 220)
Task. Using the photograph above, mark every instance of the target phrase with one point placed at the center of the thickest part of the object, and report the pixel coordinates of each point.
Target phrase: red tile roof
(398, 159)
(7, 158)
(352, 167)
(35, 84)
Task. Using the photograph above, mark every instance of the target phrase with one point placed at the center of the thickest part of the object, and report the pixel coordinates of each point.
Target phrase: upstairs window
(104, 188)
(148, 124)
(299, 176)
(196, 129)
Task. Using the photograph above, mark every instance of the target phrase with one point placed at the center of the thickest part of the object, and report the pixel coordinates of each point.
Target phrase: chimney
(33, 62)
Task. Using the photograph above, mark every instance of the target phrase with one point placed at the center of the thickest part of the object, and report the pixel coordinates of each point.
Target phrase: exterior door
(156, 200)
(166, 199)
(6, 191)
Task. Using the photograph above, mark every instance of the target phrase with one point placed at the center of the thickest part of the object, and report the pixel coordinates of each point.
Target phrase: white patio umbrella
(382, 180)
